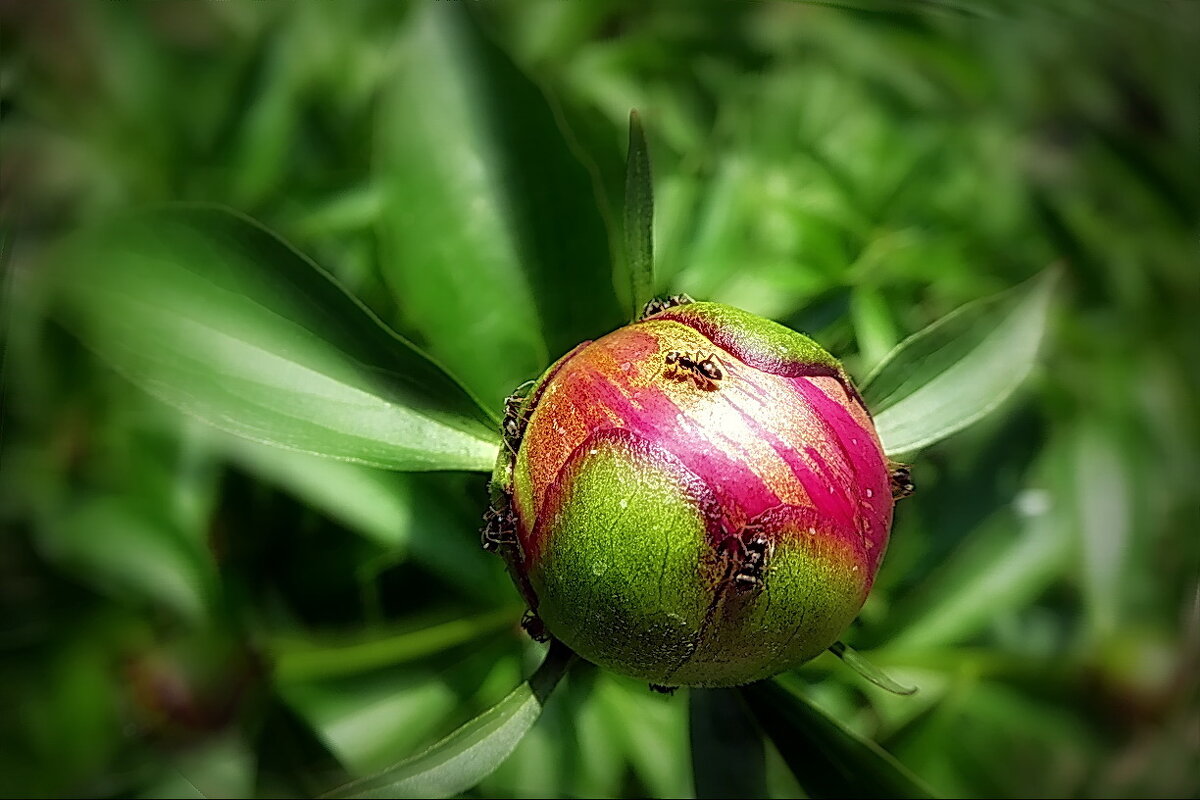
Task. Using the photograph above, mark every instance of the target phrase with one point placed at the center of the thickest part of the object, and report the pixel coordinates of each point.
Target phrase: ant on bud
(660, 304)
(745, 555)
(704, 371)
(513, 426)
(499, 529)
(901, 479)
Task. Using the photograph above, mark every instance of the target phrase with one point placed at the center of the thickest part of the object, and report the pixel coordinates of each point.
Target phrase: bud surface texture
(699, 498)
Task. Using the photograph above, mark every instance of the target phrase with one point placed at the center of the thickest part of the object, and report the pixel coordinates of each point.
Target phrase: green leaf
(218, 317)
(426, 517)
(874, 326)
(653, 731)
(639, 219)
(600, 772)
(366, 720)
(472, 752)
(376, 503)
(492, 239)
(826, 758)
(546, 759)
(118, 545)
(728, 757)
(305, 659)
(866, 669)
(960, 368)
(220, 767)
(1002, 566)
(1102, 501)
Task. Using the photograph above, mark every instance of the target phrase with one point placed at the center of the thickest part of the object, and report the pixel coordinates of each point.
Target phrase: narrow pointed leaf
(472, 752)
(959, 369)
(866, 669)
(305, 659)
(218, 317)
(826, 758)
(639, 219)
(493, 241)
(728, 756)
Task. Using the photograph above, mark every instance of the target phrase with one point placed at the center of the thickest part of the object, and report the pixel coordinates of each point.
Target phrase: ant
(747, 554)
(514, 424)
(532, 624)
(499, 529)
(901, 480)
(705, 372)
(660, 304)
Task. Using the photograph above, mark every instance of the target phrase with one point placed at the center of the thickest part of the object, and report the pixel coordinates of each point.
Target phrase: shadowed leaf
(728, 757)
(826, 758)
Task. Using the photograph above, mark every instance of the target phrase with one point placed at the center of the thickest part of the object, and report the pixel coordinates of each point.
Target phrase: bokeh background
(185, 614)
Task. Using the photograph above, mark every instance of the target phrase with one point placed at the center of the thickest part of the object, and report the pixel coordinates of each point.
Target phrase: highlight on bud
(698, 498)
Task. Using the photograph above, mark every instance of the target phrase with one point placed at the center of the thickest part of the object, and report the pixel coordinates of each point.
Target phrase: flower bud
(698, 498)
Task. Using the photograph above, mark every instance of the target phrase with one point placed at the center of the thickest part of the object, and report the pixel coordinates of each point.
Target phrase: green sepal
(753, 335)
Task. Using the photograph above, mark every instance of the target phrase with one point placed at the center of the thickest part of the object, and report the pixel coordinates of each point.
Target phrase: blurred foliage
(182, 614)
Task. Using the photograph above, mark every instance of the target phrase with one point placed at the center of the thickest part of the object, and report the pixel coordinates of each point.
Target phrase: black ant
(660, 304)
(499, 529)
(746, 557)
(748, 576)
(514, 424)
(705, 371)
(532, 624)
(901, 480)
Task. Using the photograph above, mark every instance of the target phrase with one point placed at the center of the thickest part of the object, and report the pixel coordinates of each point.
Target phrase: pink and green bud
(699, 498)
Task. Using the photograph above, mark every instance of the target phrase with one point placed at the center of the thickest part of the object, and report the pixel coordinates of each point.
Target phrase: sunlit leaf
(491, 237)
(544, 762)
(826, 758)
(216, 316)
(728, 757)
(959, 369)
(472, 752)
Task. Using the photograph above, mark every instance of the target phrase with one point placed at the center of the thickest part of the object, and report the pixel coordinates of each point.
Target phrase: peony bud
(698, 498)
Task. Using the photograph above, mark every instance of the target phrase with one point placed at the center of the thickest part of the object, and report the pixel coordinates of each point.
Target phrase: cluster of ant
(499, 534)
(499, 524)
